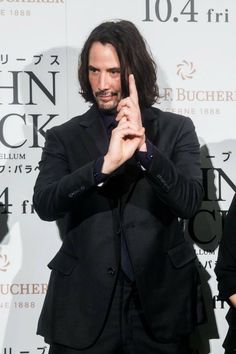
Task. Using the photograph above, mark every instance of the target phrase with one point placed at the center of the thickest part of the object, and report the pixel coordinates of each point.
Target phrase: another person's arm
(226, 263)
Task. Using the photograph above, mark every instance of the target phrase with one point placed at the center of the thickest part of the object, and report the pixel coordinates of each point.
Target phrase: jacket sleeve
(56, 186)
(177, 179)
(226, 263)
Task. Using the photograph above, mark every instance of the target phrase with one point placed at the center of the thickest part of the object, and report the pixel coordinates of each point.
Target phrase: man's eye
(115, 72)
(93, 70)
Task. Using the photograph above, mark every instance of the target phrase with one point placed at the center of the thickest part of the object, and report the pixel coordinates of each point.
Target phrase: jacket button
(111, 271)
(71, 195)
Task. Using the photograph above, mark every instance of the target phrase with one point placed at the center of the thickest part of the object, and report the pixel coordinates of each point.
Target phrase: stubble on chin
(107, 107)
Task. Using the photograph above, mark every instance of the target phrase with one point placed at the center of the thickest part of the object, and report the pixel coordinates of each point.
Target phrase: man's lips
(105, 98)
(104, 95)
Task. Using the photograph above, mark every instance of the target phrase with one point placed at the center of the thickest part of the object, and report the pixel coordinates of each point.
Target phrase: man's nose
(103, 83)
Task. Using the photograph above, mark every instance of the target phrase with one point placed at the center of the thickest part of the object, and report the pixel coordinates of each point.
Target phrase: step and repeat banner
(192, 42)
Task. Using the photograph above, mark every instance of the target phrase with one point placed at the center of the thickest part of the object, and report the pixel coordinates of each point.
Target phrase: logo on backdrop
(186, 70)
(188, 100)
(21, 12)
(36, 1)
(4, 262)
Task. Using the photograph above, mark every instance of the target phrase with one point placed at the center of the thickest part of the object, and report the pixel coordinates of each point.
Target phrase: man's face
(104, 75)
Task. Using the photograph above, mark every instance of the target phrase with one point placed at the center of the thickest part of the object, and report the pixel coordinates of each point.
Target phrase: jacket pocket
(182, 254)
(63, 263)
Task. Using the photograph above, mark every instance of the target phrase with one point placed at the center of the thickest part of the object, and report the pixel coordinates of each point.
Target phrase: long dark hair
(134, 58)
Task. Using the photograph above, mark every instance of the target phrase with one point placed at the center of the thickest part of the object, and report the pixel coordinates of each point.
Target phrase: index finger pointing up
(133, 93)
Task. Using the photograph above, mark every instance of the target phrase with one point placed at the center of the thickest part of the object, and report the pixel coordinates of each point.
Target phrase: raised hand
(129, 108)
(129, 135)
(125, 139)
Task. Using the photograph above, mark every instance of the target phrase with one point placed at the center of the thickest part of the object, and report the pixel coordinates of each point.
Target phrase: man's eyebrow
(91, 67)
(116, 68)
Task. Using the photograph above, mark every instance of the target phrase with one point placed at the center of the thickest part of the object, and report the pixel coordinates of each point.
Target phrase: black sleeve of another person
(226, 264)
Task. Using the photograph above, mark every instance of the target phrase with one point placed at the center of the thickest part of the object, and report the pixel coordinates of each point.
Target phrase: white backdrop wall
(193, 44)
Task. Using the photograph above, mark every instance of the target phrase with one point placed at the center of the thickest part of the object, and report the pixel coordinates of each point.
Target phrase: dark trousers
(125, 330)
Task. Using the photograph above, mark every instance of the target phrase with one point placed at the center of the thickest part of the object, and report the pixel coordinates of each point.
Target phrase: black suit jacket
(153, 204)
(226, 272)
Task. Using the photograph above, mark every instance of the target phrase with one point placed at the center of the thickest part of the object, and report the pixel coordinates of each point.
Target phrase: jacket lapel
(151, 124)
(133, 173)
(94, 135)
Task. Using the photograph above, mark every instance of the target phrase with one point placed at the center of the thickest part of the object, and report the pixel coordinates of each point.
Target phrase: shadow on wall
(3, 237)
(205, 229)
(38, 240)
(3, 223)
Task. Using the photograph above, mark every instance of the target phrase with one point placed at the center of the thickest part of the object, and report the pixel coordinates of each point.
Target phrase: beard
(107, 101)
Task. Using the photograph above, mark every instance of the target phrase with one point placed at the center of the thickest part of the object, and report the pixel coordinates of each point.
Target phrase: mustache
(104, 93)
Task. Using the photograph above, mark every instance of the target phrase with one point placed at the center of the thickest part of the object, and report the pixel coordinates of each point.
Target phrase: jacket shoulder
(168, 115)
(171, 120)
(73, 124)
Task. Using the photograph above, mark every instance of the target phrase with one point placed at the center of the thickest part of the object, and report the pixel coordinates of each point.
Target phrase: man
(125, 175)
(226, 275)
